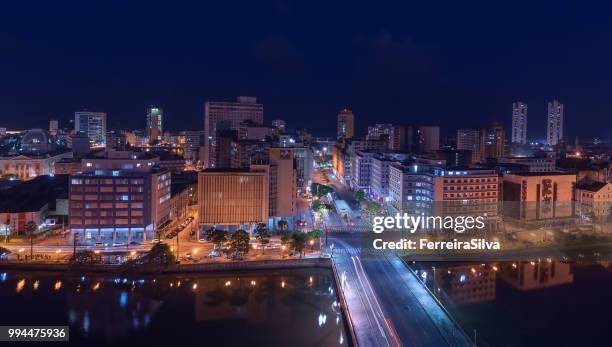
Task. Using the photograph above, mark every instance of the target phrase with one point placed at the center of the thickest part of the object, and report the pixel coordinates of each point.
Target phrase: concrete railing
(344, 305)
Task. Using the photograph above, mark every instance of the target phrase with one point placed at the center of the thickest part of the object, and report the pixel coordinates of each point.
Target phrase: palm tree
(30, 227)
(262, 235)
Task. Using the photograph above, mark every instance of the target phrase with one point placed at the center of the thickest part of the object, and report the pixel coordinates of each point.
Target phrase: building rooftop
(592, 186)
(550, 173)
(228, 170)
(32, 195)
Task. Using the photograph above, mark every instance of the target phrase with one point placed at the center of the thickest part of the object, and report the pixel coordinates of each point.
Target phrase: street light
(58, 254)
(283, 251)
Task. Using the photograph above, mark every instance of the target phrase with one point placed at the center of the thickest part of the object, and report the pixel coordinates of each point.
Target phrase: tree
(262, 236)
(239, 243)
(298, 241)
(86, 257)
(285, 237)
(159, 255)
(217, 236)
(320, 189)
(30, 228)
(282, 225)
(360, 195)
(374, 207)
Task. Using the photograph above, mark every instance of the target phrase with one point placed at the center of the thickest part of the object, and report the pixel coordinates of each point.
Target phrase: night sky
(456, 64)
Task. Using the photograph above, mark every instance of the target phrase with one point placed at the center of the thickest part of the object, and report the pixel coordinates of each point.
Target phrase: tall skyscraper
(495, 141)
(519, 122)
(245, 109)
(154, 123)
(92, 124)
(346, 124)
(472, 140)
(554, 126)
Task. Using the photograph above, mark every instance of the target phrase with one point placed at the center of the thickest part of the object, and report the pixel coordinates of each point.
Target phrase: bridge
(386, 304)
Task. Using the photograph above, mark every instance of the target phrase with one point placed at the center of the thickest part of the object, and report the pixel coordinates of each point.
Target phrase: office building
(554, 125)
(194, 140)
(594, 200)
(283, 180)
(53, 127)
(246, 152)
(235, 113)
(154, 124)
(537, 196)
(495, 142)
(379, 173)
(455, 157)
(519, 122)
(93, 125)
(472, 140)
(345, 124)
(361, 163)
(532, 164)
(121, 198)
(428, 138)
(468, 192)
(233, 198)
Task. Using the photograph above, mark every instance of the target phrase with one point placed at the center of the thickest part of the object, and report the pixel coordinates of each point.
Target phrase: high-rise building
(519, 122)
(92, 124)
(154, 123)
(495, 141)
(554, 125)
(236, 113)
(472, 140)
(429, 138)
(193, 141)
(53, 127)
(283, 180)
(346, 124)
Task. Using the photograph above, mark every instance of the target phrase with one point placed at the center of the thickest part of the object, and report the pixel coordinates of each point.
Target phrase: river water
(280, 308)
(522, 303)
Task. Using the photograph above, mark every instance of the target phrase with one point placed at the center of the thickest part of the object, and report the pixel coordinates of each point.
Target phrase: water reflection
(524, 303)
(283, 308)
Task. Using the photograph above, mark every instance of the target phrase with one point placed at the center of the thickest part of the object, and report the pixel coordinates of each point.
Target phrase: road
(387, 303)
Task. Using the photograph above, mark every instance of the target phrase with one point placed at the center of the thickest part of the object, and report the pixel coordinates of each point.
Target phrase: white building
(92, 124)
(554, 126)
(519, 122)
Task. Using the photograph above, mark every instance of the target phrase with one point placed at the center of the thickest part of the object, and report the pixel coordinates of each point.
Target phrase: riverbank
(179, 268)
